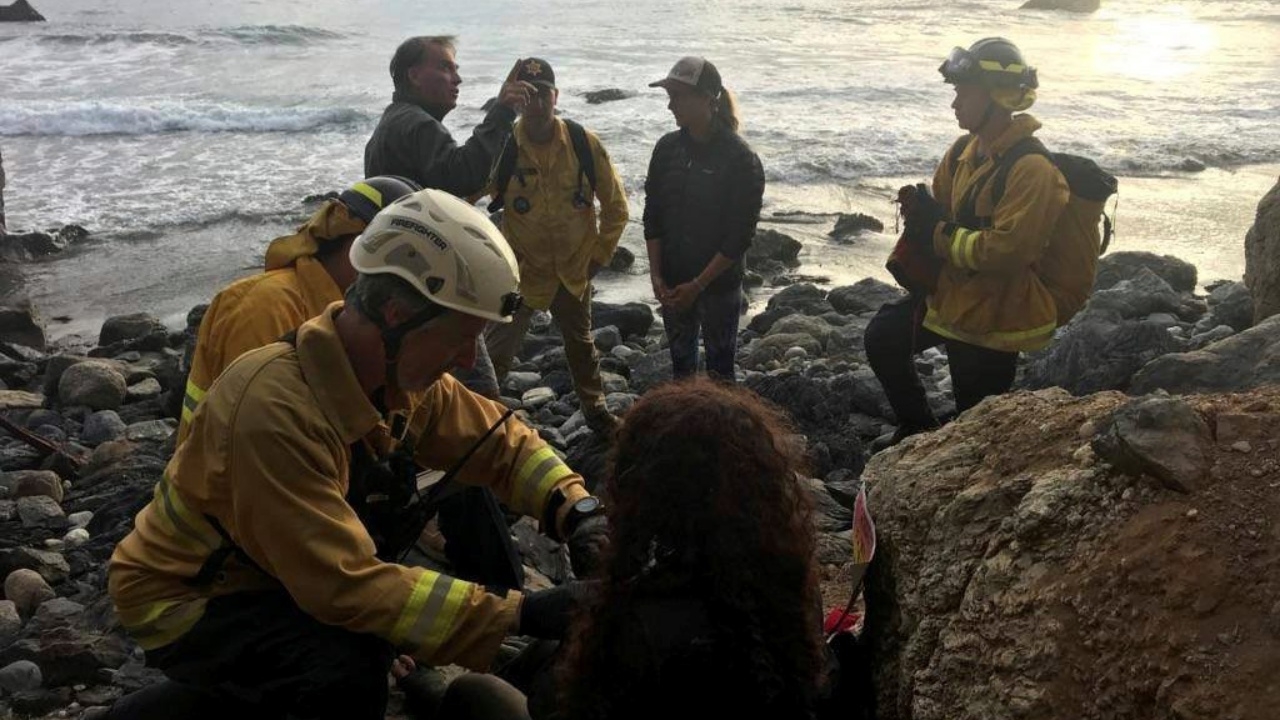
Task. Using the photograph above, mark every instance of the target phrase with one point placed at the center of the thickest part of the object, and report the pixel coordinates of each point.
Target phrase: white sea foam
(79, 118)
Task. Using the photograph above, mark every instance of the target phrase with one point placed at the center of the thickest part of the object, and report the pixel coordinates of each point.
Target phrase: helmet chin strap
(393, 337)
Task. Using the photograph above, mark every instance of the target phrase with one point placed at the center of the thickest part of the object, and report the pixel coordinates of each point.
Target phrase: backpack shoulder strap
(1019, 150)
(582, 149)
(503, 168)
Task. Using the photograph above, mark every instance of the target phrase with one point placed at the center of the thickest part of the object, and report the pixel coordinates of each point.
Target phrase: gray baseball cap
(694, 72)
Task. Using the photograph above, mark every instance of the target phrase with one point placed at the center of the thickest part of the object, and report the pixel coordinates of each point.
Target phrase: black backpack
(505, 167)
(1070, 260)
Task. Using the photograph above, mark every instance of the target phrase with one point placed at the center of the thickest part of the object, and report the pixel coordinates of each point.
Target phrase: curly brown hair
(705, 503)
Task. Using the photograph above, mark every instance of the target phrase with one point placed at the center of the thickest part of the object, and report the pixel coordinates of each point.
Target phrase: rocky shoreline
(1003, 534)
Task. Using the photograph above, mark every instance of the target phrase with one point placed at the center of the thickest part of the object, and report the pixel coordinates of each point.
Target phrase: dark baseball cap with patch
(694, 72)
(537, 71)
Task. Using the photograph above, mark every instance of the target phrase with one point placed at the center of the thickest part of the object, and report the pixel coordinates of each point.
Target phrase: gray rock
(1159, 436)
(75, 537)
(20, 11)
(1096, 352)
(128, 327)
(537, 397)
(850, 225)
(43, 416)
(19, 676)
(517, 383)
(31, 483)
(613, 383)
(1245, 360)
(10, 622)
(596, 97)
(802, 298)
(91, 384)
(631, 319)
(151, 430)
(1262, 257)
(650, 369)
(1230, 303)
(1116, 266)
(148, 388)
(42, 512)
(8, 508)
(51, 566)
(813, 326)
(27, 590)
(607, 338)
(102, 426)
(1137, 297)
(17, 399)
(759, 353)
(866, 295)
(57, 612)
(772, 245)
(622, 260)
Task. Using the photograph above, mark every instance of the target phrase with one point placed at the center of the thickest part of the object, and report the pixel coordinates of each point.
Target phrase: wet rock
(622, 260)
(803, 298)
(596, 97)
(849, 226)
(41, 512)
(771, 245)
(813, 326)
(148, 388)
(128, 327)
(151, 430)
(866, 295)
(27, 590)
(93, 385)
(1137, 297)
(68, 656)
(20, 325)
(537, 397)
(1246, 360)
(517, 383)
(51, 566)
(1159, 436)
(20, 11)
(1231, 304)
(650, 369)
(56, 612)
(29, 483)
(1116, 266)
(102, 426)
(21, 675)
(607, 337)
(759, 353)
(631, 319)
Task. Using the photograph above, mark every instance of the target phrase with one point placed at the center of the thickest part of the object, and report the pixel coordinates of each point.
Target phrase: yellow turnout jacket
(267, 456)
(988, 293)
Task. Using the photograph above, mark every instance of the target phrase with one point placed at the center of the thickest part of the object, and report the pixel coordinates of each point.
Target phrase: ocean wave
(104, 118)
(243, 35)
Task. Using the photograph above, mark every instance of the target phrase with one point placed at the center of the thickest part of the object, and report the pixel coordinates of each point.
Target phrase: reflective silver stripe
(182, 519)
(430, 613)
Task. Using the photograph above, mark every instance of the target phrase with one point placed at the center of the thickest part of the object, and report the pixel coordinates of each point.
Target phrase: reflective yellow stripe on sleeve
(430, 613)
(160, 623)
(195, 396)
(180, 522)
(537, 475)
(963, 245)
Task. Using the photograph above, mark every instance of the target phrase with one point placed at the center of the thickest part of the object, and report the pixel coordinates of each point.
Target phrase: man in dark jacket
(411, 141)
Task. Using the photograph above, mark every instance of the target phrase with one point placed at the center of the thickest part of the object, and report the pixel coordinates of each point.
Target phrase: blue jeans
(715, 316)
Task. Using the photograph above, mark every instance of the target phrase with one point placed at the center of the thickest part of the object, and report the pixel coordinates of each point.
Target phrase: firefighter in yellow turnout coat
(988, 304)
(251, 581)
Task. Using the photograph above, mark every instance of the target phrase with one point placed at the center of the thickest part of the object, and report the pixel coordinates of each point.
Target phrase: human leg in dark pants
(978, 372)
(259, 655)
(893, 338)
(714, 316)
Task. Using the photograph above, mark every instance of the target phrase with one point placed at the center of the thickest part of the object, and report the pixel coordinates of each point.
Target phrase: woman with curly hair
(708, 600)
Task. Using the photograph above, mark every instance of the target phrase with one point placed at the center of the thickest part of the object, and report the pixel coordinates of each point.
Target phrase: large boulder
(803, 298)
(1230, 304)
(95, 385)
(19, 11)
(1246, 360)
(1018, 577)
(1097, 352)
(632, 319)
(1262, 257)
(772, 245)
(129, 327)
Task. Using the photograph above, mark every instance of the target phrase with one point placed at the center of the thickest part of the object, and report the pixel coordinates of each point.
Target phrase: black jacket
(412, 143)
(701, 199)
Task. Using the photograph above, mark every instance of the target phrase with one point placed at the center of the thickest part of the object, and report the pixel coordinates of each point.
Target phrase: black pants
(894, 337)
(258, 655)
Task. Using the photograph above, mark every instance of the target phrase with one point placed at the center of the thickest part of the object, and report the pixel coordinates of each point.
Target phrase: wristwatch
(581, 509)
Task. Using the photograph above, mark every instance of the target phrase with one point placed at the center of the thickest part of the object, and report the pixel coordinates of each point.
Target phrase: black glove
(587, 542)
(546, 613)
(924, 215)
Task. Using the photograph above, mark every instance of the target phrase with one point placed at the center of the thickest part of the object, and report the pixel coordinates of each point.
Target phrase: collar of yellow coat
(1023, 126)
(330, 222)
